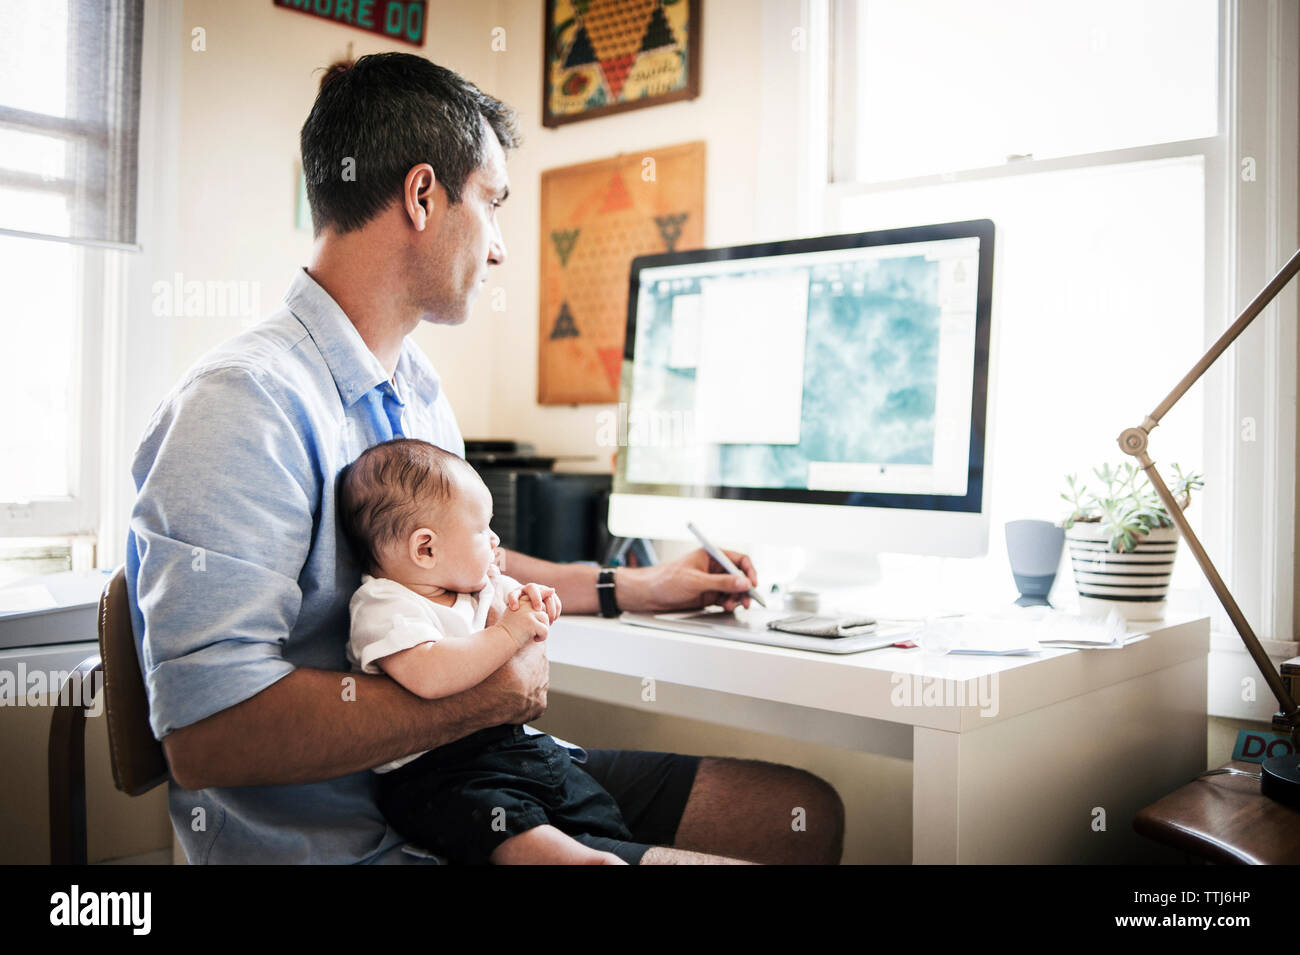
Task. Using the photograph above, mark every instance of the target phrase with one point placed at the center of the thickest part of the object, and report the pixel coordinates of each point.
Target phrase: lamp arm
(1134, 441)
(1290, 711)
(1248, 314)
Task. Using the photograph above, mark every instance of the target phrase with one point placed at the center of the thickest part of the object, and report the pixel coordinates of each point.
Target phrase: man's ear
(419, 194)
(422, 548)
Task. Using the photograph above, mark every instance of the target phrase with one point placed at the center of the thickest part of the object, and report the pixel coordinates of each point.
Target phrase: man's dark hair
(387, 491)
(388, 112)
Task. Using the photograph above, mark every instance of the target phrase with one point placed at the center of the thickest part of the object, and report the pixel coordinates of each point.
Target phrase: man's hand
(517, 691)
(692, 581)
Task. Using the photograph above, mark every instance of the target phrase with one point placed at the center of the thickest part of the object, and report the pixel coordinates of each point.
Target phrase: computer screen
(841, 371)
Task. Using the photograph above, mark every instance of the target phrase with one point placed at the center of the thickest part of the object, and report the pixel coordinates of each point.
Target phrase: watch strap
(605, 592)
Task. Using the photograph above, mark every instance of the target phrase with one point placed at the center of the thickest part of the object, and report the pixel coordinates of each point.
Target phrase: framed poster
(596, 218)
(391, 19)
(606, 56)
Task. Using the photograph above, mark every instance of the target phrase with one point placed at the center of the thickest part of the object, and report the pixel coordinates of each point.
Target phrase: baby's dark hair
(386, 492)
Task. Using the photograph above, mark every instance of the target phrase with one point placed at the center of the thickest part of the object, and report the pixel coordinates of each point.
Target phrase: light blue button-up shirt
(235, 567)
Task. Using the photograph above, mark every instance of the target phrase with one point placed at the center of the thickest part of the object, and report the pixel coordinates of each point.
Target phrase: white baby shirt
(388, 617)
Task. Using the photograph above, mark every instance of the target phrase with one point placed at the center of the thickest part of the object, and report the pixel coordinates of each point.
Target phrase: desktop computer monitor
(825, 393)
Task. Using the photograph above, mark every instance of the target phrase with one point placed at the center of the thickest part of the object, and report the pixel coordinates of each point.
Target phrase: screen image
(849, 370)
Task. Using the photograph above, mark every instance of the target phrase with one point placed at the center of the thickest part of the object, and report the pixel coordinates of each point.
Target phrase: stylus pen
(722, 559)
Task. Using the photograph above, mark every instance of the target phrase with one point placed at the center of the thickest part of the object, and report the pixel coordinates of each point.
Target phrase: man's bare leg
(760, 812)
(546, 845)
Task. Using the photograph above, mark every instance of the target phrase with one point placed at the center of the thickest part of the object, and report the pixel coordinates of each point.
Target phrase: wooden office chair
(137, 758)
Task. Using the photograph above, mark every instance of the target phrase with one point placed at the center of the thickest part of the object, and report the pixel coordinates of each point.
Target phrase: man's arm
(315, 724)
(693, 580)
(439, 669)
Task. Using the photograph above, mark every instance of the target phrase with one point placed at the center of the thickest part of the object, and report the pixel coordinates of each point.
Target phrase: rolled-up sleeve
(219, 535)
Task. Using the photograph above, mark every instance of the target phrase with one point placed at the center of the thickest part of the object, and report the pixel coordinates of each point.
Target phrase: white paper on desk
(26, 599)
(1068, 631)
(1066, 645)
(986, 635)
(1025, 630)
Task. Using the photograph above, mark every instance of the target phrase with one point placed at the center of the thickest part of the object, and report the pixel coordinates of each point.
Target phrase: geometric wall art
(606, 56)
(596, 217)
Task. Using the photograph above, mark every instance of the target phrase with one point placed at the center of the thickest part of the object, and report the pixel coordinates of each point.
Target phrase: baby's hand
(542, 597)
(525, 623)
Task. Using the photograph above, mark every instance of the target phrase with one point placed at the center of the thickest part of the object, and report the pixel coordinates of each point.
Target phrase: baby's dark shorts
(464, 799)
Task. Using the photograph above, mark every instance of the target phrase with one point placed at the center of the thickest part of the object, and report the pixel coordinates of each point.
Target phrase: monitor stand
(834, 576)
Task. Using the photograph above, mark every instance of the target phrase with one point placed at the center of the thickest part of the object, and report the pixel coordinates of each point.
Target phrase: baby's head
(415, 513)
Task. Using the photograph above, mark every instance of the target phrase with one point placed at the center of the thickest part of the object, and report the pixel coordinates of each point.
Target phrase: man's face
(452, 257)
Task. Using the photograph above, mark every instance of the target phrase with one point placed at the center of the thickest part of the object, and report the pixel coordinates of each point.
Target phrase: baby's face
(465, 542)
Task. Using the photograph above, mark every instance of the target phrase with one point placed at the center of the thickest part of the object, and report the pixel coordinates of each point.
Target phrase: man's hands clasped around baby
(530, 611)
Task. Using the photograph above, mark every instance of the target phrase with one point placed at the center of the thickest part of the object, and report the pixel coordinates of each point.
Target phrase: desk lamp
(1279, 775)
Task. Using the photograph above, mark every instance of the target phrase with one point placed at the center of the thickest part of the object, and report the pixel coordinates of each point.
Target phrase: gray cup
(1034, 548)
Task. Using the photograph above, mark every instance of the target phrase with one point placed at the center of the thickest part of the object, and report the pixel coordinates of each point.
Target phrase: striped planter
(1135, 584)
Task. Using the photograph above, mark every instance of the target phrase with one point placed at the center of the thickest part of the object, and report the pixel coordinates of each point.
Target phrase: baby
(417, 519)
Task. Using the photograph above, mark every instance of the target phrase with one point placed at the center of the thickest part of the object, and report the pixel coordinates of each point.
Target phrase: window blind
(69, 119)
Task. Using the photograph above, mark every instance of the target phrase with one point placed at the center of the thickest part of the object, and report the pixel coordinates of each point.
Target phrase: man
(240, 583)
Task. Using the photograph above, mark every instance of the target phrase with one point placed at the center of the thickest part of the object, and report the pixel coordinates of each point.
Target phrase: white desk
(1075, 733)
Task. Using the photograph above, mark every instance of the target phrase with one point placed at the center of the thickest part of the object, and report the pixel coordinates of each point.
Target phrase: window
(1120, 147)
(946, 85)
(69, 118)
(69, 112)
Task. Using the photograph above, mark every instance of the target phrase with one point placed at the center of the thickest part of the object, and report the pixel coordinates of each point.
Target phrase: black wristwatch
(605, 592)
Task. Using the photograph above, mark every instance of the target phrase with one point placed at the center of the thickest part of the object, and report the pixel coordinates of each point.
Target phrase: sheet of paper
(749, 378)
(1025, 630)
(1119, 645)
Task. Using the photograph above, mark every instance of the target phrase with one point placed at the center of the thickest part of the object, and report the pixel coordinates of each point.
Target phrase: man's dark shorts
(464, 799)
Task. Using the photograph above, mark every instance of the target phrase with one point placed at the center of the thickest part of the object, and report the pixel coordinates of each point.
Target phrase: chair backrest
(138, 760)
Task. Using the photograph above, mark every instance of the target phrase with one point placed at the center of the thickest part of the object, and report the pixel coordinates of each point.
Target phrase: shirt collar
(416, 372)
(354, 367)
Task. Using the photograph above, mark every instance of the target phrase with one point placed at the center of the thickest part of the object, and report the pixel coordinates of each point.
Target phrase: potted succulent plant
(1122, 540)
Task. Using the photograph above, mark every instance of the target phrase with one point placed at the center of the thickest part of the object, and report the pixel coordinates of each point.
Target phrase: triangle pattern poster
(596, 218)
